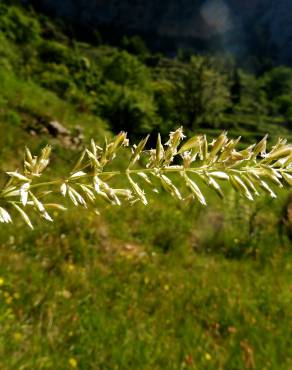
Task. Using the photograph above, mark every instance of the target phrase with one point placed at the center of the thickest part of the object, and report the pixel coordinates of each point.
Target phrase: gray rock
(56, 129)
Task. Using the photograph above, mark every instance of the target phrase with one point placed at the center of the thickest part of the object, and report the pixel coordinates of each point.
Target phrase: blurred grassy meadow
(168, 286)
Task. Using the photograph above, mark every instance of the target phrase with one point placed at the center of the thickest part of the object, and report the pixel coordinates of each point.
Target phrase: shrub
(53, 52)
(18, 26)
(126, 69)
(128, 109)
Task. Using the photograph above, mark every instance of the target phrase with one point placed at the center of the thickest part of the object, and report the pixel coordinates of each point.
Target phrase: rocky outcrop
(238, 26)
(69, 138)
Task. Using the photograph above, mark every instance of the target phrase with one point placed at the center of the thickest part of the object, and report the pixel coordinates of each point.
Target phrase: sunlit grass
(97, 305)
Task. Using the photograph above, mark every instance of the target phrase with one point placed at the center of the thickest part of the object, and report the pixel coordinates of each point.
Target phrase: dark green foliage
(278, 82)
(54, 52)
(165, 99)
(97, 38)
(125, 69)
(18, 26)
(202, 94)
(127, 99)
(8, 54)
(135, 45)
(235, 88)
(130, 110)
(282, 105)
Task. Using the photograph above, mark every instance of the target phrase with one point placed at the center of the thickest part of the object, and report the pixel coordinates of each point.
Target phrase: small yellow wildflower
(71, 267)
(9, 299)
(64, 293)
(166, 287)
(208, 357)
(1, 281)
(17, 337)
(146, 280)
(73, 363)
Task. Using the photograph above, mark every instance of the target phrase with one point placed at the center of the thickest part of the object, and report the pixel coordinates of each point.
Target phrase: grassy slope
(140, 288)
(109, 306)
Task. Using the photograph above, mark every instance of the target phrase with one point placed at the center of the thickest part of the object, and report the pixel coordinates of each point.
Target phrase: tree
(17, 26)
(202, 93)
(128, 109)
(165, 100)
(135, 45)
(278, 82)
(277, 85)
(235, 88)
(126, 69)
(253, 98)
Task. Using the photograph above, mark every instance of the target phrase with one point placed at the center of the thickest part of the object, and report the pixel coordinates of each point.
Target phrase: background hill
(259, 28)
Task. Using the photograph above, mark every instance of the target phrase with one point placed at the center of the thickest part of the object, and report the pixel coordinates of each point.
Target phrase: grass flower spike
(193, 162)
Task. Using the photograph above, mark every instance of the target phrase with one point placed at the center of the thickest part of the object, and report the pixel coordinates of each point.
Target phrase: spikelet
(248, 171)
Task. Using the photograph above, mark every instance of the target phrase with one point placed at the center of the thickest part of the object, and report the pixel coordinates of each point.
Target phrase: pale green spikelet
(248, 171)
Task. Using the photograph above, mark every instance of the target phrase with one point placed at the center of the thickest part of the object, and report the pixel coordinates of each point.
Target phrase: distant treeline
(140, 92)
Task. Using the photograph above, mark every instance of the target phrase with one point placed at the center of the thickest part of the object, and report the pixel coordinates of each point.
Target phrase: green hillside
(168, 286)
